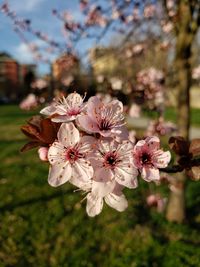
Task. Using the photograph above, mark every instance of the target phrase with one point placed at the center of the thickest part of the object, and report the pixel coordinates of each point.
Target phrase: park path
(142, 123)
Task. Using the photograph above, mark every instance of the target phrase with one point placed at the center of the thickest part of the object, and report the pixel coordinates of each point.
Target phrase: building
(64, 65)
(14, 77)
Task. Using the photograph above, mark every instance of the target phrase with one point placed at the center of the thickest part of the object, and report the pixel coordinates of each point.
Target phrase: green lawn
(41, 226)
(170, 115)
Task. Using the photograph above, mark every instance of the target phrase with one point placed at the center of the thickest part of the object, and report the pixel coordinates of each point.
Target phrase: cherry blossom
(65, 109)
(68, 157)
(148, 158)
(101, 192)
(113, 162)
(105, 119)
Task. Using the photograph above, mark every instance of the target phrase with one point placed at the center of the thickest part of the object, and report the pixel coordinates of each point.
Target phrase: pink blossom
(167, 27)
(110, 192)
(113, 162)
(65, 109)
(29, 102)
(105, 119)
(69, 157)
(155, 200)
(148, 158)
(160, 127)
(134, 111)
(43, 152)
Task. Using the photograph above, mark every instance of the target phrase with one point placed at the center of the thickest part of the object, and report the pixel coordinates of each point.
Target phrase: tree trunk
(184, 39)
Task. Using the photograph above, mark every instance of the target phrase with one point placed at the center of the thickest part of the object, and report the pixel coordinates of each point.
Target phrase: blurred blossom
(83, 4)
(170, 4)
(105, 98)
(138, 49)
(165, 45)
(39, 84)
(149, 11)
(66, 81)
(160, 127)
(136, 14)
(150, 82)
(155, 200)
(29, 102)
(100, 78)
(196, 73)
(116, 83)
(167, 27)
(129, 53)
(134, 111)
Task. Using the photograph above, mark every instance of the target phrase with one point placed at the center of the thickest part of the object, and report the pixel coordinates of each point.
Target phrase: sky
(40, 14)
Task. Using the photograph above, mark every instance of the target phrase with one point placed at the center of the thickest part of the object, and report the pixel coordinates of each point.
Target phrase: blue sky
(40, 13)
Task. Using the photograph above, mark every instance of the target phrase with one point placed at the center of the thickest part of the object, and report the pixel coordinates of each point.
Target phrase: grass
(170, 115)
(48, 227)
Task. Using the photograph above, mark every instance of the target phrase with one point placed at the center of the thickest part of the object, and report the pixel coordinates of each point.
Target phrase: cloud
(23, 54)
(25, 6)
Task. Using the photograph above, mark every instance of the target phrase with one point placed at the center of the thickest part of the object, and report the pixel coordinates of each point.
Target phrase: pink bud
(43, 151)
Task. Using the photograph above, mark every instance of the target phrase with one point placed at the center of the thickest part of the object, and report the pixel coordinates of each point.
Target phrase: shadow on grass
(12, 206)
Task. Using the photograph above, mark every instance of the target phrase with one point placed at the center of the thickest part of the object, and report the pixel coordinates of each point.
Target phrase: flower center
(73, 112)
(146, 158)
(110, 159)
(104, 125)
(72, 154)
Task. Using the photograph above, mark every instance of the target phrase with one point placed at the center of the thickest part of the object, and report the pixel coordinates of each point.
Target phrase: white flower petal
(118, 203)
(82, 170)
(103, 175)
(59, 174)
(87, 144)
(117, 106)
(102, 189)
(153, 142)
(87, 124)
(162, 159)
(63, 118)
(94, 106)
(126, 177)
(49, 110)
(56, 153)
(94, 205)
(150, 174)
(85, 186)
(68, 134)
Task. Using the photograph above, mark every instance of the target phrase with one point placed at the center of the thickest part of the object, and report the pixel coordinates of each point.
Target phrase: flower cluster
(92, 150)
(150, 83)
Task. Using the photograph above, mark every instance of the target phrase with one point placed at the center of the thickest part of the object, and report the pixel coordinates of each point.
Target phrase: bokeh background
(144, 53)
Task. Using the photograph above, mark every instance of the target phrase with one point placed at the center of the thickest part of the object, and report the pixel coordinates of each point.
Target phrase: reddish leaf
(48, 131)
(179, 145)
(31, 131)
(42, 132)
(29, 146)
